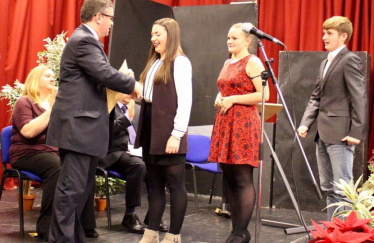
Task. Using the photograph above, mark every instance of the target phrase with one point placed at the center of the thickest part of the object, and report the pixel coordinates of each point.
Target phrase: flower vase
(100, 204)
(28, 201)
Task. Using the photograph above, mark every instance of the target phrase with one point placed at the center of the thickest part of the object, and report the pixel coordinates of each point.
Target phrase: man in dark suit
(338, 104)
(79, 123)
(119, 158)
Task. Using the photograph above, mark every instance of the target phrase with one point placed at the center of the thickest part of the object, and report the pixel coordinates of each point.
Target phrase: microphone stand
(265, 75)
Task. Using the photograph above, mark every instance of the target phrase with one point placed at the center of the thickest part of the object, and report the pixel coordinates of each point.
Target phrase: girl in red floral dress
(236, 131)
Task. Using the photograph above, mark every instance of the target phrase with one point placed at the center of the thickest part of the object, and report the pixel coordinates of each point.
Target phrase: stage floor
(203, 226)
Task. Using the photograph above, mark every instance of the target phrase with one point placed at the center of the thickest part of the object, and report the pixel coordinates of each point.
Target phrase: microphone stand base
(289, 229)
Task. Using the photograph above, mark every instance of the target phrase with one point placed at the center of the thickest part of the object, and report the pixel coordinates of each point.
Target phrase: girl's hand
(52, 97)
(172, 146)
(226, 103)
(217, 102)
(131, 109)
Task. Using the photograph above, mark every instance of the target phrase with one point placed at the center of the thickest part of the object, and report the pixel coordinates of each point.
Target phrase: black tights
(242, 195)
(173, 176)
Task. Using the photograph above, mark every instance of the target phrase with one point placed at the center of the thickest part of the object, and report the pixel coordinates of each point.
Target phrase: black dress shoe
(163, 226)
(43, 236)
(91, 233)
(132, 223)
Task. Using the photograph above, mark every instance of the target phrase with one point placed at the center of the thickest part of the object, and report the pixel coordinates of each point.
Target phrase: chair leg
(108, 213)
(211, 189)
(20, 191)
(2, 184)
(195, 187)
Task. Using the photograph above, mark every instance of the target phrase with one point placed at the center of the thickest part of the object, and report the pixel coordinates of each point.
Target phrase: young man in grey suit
(79, 123)
(339, 105)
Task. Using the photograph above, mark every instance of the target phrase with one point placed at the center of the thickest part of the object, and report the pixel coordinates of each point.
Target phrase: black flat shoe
(132, 223)
(91, 233)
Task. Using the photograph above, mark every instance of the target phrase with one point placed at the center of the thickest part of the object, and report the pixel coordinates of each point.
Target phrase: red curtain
(296, 23)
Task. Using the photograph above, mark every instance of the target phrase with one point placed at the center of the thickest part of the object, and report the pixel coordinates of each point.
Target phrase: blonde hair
(31, 88)
(247, 35)
(173, 48)
(340, 24)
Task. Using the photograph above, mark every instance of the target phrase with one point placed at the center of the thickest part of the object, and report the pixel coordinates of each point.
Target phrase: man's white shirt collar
(336, 51)
(93, 31)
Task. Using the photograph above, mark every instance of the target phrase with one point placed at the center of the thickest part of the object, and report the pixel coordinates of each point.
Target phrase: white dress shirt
(183, 85)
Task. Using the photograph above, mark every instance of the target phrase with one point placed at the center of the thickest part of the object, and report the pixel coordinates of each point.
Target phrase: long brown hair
(173, 49)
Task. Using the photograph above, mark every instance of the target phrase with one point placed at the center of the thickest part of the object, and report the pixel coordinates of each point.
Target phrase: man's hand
(351, 141)
(129, 72)
(138, 91)
(303, 131)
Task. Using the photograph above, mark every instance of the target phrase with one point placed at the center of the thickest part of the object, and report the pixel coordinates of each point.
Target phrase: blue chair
(21, 175)
(197, 158)
(106, 174)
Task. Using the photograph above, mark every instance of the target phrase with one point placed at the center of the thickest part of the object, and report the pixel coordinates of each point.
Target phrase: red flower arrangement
(352, 230)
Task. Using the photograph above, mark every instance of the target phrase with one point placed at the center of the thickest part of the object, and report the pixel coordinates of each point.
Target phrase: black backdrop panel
(304, 71)
(204, 32)
(204, 36)
(131, 34)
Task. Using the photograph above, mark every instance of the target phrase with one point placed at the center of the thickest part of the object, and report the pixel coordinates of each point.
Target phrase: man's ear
(345, 36)
(98, 19)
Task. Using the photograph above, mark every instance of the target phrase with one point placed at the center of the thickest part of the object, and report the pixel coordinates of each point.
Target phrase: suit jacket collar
(88, 31)
(334, 62)
(92, 31)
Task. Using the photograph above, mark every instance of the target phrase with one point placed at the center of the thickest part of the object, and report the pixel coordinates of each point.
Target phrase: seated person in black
(120, 159)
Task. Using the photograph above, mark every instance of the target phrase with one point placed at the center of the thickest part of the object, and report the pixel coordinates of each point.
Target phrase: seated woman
(28, 150)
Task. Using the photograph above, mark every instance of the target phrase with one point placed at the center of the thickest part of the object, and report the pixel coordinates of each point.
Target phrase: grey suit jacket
(79, 119)
(338, 102)
(120, 136)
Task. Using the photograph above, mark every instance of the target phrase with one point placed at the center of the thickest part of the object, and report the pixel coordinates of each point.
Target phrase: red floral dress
(236, 134)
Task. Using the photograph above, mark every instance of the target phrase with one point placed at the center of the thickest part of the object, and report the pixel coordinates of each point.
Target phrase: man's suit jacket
(338, 102)
(79, 120)
(120, 136)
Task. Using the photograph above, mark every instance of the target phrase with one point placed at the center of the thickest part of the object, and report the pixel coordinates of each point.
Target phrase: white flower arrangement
(50, 57)
(12, 94)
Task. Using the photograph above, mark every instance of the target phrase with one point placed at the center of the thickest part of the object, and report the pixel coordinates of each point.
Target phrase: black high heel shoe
(230, 237)
(243, 238)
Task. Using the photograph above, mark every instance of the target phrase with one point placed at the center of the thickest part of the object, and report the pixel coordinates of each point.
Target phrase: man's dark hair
(92, 7)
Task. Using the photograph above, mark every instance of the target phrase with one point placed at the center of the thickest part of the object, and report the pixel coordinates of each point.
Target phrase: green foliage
(115, 186)
(361, 202)
(51, 57)
(12, 94)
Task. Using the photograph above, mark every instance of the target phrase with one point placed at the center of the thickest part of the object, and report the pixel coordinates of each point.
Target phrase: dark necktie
(130, 129)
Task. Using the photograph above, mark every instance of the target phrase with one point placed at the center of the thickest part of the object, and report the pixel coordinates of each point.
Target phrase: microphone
(249, 28)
